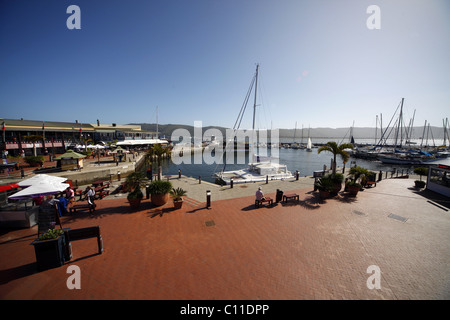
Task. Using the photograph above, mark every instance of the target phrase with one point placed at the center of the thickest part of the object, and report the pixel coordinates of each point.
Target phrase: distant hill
(358, 132)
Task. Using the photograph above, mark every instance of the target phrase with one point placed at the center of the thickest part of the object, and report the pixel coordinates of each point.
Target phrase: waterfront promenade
(311, 249)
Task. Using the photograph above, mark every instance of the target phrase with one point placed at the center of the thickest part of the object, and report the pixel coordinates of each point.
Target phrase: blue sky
(320, 65)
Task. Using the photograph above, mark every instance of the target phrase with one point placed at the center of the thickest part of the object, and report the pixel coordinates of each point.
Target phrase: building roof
(21, 124)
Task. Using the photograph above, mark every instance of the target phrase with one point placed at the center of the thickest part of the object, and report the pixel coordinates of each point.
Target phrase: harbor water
(295, 159)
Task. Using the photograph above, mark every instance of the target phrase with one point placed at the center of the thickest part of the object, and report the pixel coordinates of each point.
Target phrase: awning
(70, 154)
(133, 142)
(9, 187)
(40, 189)
(41, 178)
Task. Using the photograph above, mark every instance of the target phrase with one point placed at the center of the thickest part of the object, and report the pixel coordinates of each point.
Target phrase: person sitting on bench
(260, 195)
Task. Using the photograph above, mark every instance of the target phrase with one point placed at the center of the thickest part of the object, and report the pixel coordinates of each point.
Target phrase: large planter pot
(324, 194)
(135, 203)
(353, 190)
(50, 253)
(419, 184)
(336, 188)
(159, 199)
(178, 203)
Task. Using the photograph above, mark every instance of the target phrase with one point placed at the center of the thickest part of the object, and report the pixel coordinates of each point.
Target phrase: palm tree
(157, 151)
(85, 141)
(332, 147)
(33, 138)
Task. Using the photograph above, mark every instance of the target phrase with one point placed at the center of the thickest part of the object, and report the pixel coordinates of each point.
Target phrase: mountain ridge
(320, 132)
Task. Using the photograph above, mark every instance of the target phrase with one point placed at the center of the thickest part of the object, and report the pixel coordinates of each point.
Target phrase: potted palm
(337, 179)
(325, 186)
(353, 187)
(159, 191)
(134, 182)
(358, 180)
(177, 196)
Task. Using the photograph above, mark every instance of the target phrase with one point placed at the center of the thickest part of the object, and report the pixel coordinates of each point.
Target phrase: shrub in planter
(325, 185)
(159, 191)
(353, 187)
(337, 179)
(134, 182)
(135, 197)
(421, 171)
(50, 249)
(419, 183)
(177, 196)
(360, 175)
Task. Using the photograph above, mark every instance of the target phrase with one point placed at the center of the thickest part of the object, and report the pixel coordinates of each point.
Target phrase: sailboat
(259, 168)
(309, 143)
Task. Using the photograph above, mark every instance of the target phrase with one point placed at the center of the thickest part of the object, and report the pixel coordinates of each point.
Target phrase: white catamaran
(259, 168)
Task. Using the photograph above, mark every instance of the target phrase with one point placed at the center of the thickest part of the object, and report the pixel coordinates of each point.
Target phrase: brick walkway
(312, 249)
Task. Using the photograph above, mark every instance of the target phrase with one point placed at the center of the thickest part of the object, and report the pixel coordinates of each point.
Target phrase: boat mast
(376, 128)
(157, 134)
(423, 133)
(399, 128)
(254, 112)
(295, 129)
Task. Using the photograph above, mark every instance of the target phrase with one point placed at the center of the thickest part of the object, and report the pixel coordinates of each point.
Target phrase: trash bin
(279, 196)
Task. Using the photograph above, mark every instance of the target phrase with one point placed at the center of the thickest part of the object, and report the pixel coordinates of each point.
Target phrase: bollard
(179, 173)
(22, 173)
(147, 192)
(231, 183)
(118, 175)
(267, 179)
(208, 199)
(199, 179)
(296, 174)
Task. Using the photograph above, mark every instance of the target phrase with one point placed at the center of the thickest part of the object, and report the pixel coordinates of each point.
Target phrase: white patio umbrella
(40, 189)
(41, 178)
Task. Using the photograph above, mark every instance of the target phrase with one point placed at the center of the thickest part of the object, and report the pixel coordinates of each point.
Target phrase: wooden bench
(76, 207)
(259, 203)
(290, 196)
(371, 184)
(86, 233)
(101, 194)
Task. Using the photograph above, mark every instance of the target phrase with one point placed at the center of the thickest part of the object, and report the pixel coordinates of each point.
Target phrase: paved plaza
(311, 249)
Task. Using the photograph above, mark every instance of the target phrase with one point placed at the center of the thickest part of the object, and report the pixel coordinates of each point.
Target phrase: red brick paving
(308, 250)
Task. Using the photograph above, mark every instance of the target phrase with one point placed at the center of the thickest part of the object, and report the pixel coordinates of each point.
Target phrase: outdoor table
(97, 183)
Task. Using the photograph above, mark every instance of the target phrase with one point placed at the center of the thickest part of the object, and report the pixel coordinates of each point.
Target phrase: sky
(180, 61)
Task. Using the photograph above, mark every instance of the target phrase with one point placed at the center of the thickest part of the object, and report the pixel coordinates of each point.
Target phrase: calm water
(295, 159)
